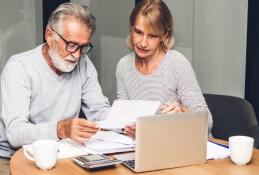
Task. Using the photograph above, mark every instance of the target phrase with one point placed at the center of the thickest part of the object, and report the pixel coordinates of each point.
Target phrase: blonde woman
(153, 71)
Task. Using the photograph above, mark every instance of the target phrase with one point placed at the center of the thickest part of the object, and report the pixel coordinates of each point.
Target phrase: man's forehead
(72, 24)
(75, 30)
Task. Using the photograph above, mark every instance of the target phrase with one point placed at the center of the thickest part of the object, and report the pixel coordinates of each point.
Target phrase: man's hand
(130, 130)
(77, 129)
(173, 107)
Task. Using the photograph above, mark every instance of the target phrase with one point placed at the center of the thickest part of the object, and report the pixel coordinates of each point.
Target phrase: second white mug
(241, 149)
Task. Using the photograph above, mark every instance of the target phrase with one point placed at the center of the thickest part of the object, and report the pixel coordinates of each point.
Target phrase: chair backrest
(232, 116)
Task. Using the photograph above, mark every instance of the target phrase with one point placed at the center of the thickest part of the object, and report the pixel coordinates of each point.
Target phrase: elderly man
(44, 89)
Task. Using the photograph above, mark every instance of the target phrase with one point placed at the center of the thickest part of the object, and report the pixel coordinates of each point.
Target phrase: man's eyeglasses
(72, 47)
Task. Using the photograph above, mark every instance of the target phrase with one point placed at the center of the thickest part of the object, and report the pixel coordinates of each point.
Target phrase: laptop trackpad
(126, 156)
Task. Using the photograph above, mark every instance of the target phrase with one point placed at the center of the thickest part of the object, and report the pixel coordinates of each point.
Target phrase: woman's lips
(142, 50)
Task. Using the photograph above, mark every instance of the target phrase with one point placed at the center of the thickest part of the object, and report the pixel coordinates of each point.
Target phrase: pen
(225, 146)
(119, 131)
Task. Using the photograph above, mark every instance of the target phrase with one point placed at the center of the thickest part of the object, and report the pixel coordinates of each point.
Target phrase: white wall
(21, 27)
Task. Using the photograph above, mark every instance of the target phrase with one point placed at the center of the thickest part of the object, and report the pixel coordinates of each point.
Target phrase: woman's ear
(164, 37)
(131, 28)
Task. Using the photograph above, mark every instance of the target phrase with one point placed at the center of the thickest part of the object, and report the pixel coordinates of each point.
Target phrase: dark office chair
(232, 116)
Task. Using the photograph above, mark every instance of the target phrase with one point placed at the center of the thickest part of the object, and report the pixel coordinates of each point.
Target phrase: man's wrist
(61, 130)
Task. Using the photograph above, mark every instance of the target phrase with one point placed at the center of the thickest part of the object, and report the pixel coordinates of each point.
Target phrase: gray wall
(114, 29)
(211, 34)
(110, 39)
(21, 27)
(219, 47)
(182, 12)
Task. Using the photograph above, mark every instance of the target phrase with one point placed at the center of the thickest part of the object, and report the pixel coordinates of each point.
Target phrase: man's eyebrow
(77, 43)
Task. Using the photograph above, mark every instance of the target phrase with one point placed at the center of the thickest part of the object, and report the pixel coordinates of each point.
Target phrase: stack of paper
(125, 112)
(106, 142)
(103, 142)
(113, 137)
(216, 151)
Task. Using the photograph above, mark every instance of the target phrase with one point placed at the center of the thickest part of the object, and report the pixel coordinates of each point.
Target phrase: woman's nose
(144, 41)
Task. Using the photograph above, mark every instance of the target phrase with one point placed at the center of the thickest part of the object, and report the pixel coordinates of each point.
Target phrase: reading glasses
(72, 47)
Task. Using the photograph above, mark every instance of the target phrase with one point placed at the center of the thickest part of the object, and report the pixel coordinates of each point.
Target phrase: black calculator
(95, 161)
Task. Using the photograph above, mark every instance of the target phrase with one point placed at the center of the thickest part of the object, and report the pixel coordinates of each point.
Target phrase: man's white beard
(62, 64)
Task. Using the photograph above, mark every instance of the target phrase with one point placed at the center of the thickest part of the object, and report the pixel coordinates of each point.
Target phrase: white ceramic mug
(241, 149)
(44, 153)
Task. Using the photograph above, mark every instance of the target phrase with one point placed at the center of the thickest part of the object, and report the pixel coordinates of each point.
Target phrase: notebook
(169, 140)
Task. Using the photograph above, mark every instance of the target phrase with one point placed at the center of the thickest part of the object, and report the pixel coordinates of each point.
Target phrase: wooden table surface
(19, 165)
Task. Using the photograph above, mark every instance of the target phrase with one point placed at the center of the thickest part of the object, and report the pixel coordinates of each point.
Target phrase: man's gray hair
(79, 12)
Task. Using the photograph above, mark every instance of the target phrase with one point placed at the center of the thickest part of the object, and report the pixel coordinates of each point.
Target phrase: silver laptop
(169, 140)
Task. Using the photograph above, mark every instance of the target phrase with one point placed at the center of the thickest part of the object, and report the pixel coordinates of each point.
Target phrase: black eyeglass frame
(84, 48)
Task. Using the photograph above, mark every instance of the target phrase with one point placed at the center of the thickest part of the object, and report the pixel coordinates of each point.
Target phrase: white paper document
(125, 112)
(110, 136)
(105, 142)
(101, 147)
(216, 151)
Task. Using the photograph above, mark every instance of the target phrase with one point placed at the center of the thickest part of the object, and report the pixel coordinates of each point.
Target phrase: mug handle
(28, 155)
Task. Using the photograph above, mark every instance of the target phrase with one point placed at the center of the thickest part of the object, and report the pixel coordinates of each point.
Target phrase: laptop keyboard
(129, 163)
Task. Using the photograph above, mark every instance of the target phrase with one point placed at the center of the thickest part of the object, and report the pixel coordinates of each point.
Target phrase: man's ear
(49, 36)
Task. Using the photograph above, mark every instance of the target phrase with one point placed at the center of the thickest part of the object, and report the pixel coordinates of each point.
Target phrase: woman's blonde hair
(158, 18)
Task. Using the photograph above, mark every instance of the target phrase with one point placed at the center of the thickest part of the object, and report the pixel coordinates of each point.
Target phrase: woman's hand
(173, 107)
(130, 130)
